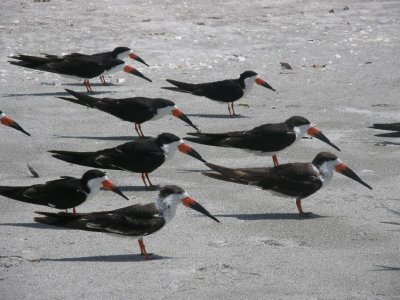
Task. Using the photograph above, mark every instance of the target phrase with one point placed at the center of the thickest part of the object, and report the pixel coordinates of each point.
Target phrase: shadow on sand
(51, 94)
(385, 268)
(32, 225)
(271, 216)
(106, 258)
(130, 188)
(102, 138)
(216, 116)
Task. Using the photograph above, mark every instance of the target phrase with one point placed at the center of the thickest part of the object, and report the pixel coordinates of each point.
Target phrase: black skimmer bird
(141, 156)
(118, 53)
(227, 91)
(67, 192)
(136, 110)
(134, 221)
(298, 180)
(7, 121)
(265, 139)
(76, 66)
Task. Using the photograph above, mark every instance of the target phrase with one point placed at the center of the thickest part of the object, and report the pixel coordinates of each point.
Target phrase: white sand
(262, 249)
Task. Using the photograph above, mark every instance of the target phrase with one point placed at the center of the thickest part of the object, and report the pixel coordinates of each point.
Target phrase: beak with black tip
(108, 185)
(185, 148)
(191, 203)
(180, 115)
(314, 132)
(137, 58)
(10, 123)
(133, 71)
(264, 83)
(346, 171)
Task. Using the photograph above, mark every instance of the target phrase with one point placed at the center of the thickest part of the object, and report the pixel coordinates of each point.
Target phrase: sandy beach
(345, 77)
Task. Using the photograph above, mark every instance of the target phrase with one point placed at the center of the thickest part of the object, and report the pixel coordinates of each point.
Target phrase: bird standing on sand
(76, 66)
(227, 91)
(264, 139)
(67, 192)
(134, 221)
(136, 109)
(298, 180)
(141, 156)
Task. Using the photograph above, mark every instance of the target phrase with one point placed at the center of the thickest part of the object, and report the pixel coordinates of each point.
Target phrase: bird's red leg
(85, 84)
(73, 210)
(148, 179)
(103, 81)
(143, 249)
(275, 160)
(144, 181)
(300, 209)
(233, 110)
(229, 110)
(90, 88)
(140, 129)
(136, 128)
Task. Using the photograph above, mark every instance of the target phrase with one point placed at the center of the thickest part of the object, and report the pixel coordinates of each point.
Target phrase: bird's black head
(120, 50)
(323, 157)
(92, 174)
(167, 138)
(247, 74)
(296, 121)
(170, 190)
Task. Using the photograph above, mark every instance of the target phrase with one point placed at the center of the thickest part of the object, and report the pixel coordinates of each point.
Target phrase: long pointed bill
(185, 148)
(314, 132)
(10, 123)
(137, 58)
(108, 185)
(264, 84)
(346, 171)
(191, 203)
(180, 115)
(133, 71)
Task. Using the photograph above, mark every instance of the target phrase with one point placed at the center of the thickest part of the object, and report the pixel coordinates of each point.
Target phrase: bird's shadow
(130, 188)
(217, 116)
(271, 216)
(50, 94)
(92, 84)
(390, 134)
(32, 225)
(386, 143)
(107, 258)
(385, 268)
(102, 138)
(190, 170)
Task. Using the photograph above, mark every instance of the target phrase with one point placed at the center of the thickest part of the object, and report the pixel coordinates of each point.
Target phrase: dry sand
(261, 249)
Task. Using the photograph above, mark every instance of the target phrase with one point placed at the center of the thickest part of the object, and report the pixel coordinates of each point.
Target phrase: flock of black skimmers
(143, 156)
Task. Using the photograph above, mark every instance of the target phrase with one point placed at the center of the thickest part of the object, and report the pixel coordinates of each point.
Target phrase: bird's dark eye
(169, 206)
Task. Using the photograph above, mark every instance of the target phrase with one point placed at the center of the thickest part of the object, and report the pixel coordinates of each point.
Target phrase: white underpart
(114, 69)
(168, 205)
(94, 186)
(2, 115)
(162, 112)
(170, 149)
(249, 84)
(326, 170)
(124, 55)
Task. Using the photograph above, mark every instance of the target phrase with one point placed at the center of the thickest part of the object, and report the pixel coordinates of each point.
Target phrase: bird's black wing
(225, 90)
